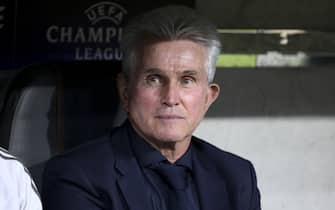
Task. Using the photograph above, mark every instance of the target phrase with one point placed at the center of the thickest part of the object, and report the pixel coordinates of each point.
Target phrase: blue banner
(59, 30)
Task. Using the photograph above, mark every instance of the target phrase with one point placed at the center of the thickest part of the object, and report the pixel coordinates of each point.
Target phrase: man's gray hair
(168, 24)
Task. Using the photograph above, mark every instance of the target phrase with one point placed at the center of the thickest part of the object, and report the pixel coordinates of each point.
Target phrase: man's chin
(171, 138)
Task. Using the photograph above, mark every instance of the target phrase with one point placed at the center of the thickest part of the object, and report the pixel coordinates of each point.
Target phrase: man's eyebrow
(190, 72)
(152, 71)
(160, 71)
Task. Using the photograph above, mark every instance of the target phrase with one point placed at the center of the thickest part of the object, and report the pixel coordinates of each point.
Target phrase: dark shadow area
(6, 77)
(51, 108)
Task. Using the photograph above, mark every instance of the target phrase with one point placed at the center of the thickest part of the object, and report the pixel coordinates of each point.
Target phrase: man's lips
(169, 117)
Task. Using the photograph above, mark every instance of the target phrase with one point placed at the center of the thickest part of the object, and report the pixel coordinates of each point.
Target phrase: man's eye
(153, 79)
(186, 81)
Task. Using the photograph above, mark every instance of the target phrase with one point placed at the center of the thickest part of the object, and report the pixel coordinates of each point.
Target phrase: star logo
(105, 11)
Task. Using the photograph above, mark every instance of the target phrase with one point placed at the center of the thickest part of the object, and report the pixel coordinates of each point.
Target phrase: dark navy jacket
(105, 175)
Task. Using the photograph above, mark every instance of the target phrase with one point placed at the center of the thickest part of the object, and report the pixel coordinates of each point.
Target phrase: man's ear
(213, 93)
(122, 86)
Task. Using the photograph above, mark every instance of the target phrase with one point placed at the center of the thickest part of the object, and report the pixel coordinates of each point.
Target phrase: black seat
(50, 108)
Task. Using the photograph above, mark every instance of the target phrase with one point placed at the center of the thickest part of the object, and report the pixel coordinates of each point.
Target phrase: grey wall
(283, 120)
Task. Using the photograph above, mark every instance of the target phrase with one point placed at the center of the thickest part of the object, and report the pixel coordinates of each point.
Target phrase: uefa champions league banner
(63, 30)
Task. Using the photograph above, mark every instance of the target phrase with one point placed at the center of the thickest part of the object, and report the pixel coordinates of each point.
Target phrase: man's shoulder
(14, 174)
(234, 168)
(93, 147)
(5, 155)
(83, 164)
(219, 156)
(17, 187)
(100, 149)
(9, 163)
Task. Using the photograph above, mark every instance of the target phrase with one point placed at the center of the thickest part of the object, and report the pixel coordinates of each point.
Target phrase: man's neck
(171, 150)
(174, 151)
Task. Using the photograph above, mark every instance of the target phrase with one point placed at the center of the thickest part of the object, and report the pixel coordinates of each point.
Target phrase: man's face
(168, 94)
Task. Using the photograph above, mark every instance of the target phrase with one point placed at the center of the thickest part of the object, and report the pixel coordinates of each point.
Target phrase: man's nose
(171, 94)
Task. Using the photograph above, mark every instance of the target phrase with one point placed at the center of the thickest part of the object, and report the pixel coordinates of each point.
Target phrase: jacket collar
(211, 186)
(130, 181)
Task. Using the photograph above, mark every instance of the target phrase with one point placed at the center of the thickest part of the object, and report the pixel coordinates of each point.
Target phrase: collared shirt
(17, 189)
(148, 157)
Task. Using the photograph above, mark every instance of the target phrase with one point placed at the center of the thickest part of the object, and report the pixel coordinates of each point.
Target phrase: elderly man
(152, 161)
(17, 189)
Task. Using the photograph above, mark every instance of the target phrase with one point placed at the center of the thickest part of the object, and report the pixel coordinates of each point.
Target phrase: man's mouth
(169, 117)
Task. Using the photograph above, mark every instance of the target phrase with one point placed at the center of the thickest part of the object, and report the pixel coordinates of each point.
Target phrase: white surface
(17, 190)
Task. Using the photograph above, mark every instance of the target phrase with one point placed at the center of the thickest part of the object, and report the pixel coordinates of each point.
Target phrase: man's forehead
(163, 43)
(174, 52)
(162, 71)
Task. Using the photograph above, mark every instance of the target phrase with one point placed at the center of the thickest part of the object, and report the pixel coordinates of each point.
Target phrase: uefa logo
(105, 11)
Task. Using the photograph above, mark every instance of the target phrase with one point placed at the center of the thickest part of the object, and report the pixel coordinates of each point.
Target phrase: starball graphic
(106, 11)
